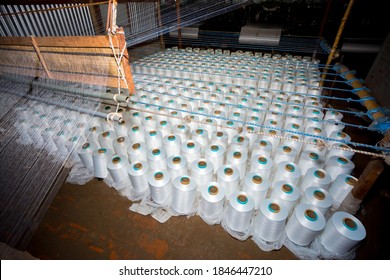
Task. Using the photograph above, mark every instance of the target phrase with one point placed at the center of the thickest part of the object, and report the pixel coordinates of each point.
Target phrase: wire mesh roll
(304, 224)
(228, 176)
(171, 144)
(341, 187)
(160, 186)
(85, 153)
(238, 159)
(117, 166)
(120, 128)
(136, 134)
(92, 135)
(138, 173)
(183, 131)
(100, 159)
(256, 187)
(315, 177)
(240, 211)
(262, 148)
(121, 144)
(191, 150)
(165, 127)
(262, 166)
(342, 233)
(212, 199)
(201, 136)
(240, 143)
(309, 159)
(287, 171)
(317, 197)
(177, 166)
(220, 138)
(137, 152)
(153, 139)
(106, 138)
(183, 194)
(216, 154)
(202, 172)
(270, 222)
(338, 165)
(286, 193)
(157, 159)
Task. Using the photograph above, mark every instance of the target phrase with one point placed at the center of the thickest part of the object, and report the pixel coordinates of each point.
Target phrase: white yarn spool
(212, 199)
(201, 136)
(92, 135)
(138, 172)
(191, 150)
(262, 165)
(177, 166)
(338, 165)
(315, 131)
(333, 115)
(271, 137)
(341, 187)
(106, 138)
(228, 176)
(183, 195)
(100, 159)
(250, 132)
(239, 160)
(220, 116)
(340, 153)
(137, 152)
(202, 172)
(262, 148)
(48, 135)
(256, 187)
(304, 224)
(294, 110)
(231, 129)
(240, 210)
(120, 128)
(35, 134)
(183, 131)
(160, 186)
(216, 154)
(309, 159)
(287, 194)
(153, 139)
(270, 222)
(313, 113)
(164, 127)
(315, 147)
(171, 144)
(340, 136)
(287, 171)
(317, 197)
(285, 153)
(333, 127)
(316, 177)
(121, 144)
(240, 143)
(220, 138)
(85, 153)
(157, 159)
(342, 233)
(194, 122)
(117, 166)
(136, 134)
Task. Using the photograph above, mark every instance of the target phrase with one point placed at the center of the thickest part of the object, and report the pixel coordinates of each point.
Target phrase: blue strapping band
(382, 125)
(382, 110)
(349, 82)
(361, 88)
(367, 98)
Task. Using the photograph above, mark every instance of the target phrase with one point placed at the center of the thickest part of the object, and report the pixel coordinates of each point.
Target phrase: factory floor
(93, 222)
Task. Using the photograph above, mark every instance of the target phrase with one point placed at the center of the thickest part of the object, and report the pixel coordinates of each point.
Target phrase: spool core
(184, 180)
(287, 149)
(138, 166)
(287, 188)
(319, 174)
(313, 156)
(136, 146)
(242, 199)
(274, 208)
(311, 215)
(219, 134)
(176, 160)
(102, 151)
(158, 176)
(106, 134)
(350, 224)
(237, 155)
(289, 168)
(120, 139)
(171, 137)
(228, 171)
(191, 145)
(319, 195)
(263, 143)
(262, 160)
(202, 164)
(342, 160)
(214, 148)
(351, 181)
(156, 152)
(257, 179)
(116, 160)
(86, 146)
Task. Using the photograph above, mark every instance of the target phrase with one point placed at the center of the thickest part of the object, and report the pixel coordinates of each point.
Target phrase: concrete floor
(93, 222)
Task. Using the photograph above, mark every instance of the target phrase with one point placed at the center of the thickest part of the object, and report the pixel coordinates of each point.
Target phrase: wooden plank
(17, 58)
(40, 57)
(61, 41)
(370, 174)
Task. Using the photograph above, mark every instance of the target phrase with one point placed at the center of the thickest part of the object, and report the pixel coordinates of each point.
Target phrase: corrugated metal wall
(14, 21)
